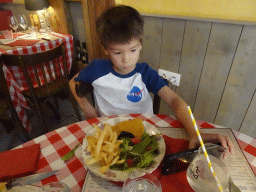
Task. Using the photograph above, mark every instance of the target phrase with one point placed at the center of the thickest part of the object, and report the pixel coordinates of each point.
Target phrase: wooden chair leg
(7, 125)
(93, 102)
(41, 116)
(56, 102)
(156, 104)
(19, 124)
(22, 138)
(73, 101)
(37, 107)
(55, 111)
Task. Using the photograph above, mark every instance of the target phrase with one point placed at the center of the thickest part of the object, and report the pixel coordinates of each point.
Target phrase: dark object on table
(179, 161)
(173, 166)
(41, 63)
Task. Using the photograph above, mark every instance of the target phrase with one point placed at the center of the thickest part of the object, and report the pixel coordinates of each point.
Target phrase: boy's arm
(88, 110)
(180, 110)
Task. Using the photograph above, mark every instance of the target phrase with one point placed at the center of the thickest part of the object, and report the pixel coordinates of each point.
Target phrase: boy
(121, 86)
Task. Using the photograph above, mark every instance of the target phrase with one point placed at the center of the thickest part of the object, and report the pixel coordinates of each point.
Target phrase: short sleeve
(150, 77)
(86, 73)
(95, 70)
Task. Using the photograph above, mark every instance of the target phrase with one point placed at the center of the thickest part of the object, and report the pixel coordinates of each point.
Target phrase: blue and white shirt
(117, 94)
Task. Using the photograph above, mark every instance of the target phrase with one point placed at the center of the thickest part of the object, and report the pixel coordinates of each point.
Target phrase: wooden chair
(82, 89)
(57, 79)
(9, 123)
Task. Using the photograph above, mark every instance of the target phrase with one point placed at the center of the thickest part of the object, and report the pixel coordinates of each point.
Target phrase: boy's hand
(213, 138)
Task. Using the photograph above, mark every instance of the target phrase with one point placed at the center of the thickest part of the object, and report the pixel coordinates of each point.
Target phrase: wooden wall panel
(141, 56)
(192, 58)
(152, 41)
(59, 20)
(91, 10)
(241, 82)
(219, 56)
(217, 67)
(172, 38)
(249, 123)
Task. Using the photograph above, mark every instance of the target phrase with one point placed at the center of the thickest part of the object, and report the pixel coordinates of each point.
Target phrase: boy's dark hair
(119, 24)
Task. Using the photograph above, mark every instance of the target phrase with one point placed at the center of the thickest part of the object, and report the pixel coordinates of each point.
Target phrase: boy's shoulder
(100, 63)
(97, 68)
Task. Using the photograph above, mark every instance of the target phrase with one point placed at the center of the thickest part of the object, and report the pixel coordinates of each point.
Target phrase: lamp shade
(35, 5)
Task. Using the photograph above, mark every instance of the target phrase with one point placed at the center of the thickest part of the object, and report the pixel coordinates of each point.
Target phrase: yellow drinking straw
(204, 150)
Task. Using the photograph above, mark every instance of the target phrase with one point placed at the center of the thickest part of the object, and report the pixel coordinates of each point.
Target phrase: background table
(57, 143)
(14, 76)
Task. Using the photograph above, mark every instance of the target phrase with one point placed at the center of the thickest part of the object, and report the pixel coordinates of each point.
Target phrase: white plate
(115, 175)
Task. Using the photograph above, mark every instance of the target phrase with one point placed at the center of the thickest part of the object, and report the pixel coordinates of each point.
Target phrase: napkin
(177, 181)
(14, 36)
(19, 162)
(23, 42)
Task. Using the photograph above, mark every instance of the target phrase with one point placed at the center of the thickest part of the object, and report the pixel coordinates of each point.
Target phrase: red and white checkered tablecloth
(57, 143)
(15, 79)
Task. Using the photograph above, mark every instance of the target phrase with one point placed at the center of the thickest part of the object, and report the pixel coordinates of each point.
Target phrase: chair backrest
(46, 66)
(82, 89)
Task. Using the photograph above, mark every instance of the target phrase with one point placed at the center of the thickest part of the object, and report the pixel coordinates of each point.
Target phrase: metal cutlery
(28, 180)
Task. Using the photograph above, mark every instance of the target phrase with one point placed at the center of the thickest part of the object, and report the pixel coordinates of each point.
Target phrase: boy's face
(124, 56)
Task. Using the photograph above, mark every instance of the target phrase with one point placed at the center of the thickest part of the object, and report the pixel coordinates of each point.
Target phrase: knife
(27, 180)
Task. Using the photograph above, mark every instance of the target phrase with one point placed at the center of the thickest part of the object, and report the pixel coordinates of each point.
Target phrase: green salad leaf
(70, 154)
(137, 154)
(141, 146)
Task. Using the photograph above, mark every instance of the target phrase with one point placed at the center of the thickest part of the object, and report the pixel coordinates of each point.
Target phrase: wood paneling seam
(247, 111)
(202, 67)
(228, 76)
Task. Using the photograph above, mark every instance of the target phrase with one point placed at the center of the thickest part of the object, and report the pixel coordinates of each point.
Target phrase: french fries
(104, 147)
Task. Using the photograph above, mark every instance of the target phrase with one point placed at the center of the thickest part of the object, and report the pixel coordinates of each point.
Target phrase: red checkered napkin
(14, 36)
(23, 42)
(19, 162)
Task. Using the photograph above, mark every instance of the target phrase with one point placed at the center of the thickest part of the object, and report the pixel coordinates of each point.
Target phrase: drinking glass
(146, 183)
(199, 175)
(55, 187)
(13, 23)
(33, 31)
(23, 22)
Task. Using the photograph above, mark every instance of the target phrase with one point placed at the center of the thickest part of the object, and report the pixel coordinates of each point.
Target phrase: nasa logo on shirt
(135, 94)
